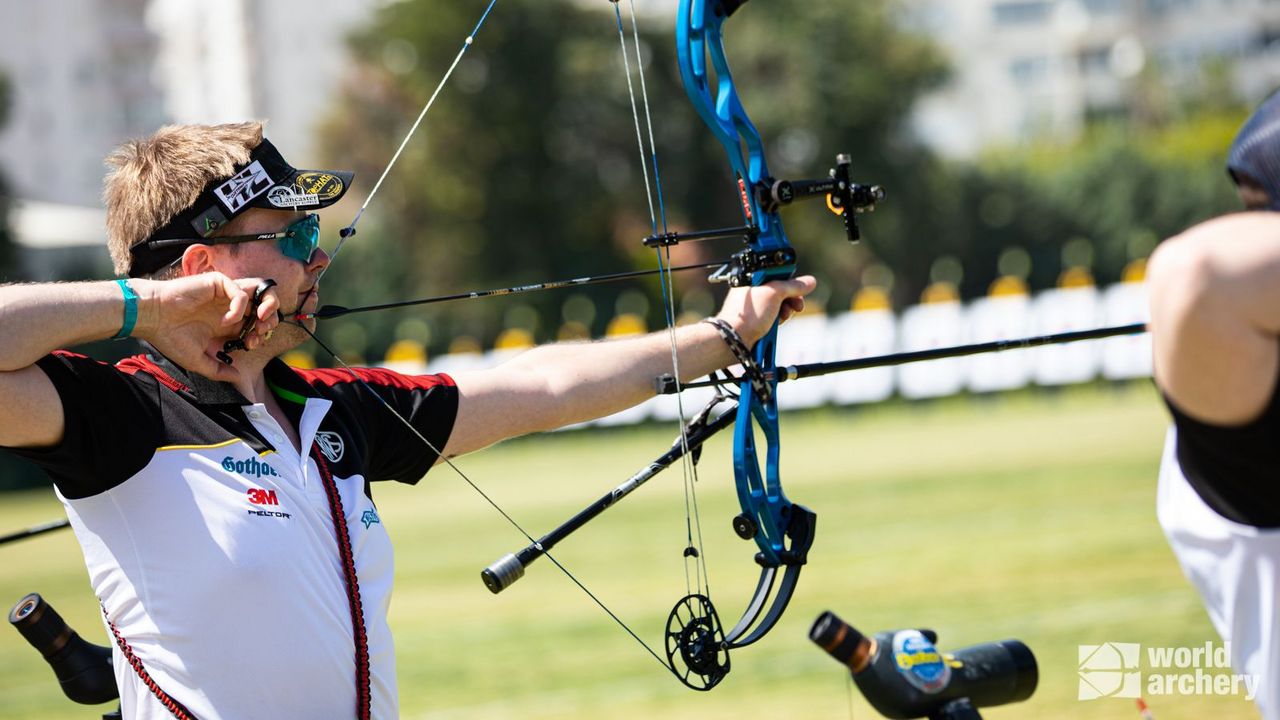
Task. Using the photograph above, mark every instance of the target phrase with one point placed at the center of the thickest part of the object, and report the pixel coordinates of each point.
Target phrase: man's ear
(198, 259)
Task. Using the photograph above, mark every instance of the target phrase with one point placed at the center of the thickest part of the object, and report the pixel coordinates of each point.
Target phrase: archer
(217, 492)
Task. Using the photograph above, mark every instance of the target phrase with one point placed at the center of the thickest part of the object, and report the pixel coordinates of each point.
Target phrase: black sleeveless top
(1235, 469)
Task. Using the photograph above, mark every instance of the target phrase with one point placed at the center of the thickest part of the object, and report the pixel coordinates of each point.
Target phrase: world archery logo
(369, 518)
(1110, 670)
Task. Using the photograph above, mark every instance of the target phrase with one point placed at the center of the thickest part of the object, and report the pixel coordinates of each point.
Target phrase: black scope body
(83, 669)
(903, 676)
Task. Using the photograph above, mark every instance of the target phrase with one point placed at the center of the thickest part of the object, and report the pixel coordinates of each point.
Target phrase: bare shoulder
(1215, 316)
(1224, 227)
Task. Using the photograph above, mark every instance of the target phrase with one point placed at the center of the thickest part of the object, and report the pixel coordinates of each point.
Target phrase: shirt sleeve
(109, 425)
(383, 400)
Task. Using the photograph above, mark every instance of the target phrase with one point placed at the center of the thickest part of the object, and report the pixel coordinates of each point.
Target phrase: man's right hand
(189, 319)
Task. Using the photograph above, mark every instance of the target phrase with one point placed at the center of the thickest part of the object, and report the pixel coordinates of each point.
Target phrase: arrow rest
(738, 271)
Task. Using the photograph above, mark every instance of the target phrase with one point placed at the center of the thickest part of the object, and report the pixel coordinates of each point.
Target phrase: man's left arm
(565, 383)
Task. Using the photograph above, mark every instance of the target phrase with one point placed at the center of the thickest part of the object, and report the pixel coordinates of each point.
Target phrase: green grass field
(1028, 516)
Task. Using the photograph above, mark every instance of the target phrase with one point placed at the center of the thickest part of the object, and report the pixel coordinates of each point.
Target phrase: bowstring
(449, 461)
(348, 232)
(693, 521)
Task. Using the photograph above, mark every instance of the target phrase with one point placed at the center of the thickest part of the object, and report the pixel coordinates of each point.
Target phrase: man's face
(296, 282)
(1252, 194)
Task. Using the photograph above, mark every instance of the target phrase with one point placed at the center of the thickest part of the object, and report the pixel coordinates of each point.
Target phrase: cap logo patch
(325, 186)
(289, 197)
(243, 187)
(208, 221)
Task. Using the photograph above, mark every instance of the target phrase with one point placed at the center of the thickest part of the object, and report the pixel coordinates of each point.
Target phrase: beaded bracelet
(750, 368)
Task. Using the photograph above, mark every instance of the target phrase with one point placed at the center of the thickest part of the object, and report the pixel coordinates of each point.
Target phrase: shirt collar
(280, 377)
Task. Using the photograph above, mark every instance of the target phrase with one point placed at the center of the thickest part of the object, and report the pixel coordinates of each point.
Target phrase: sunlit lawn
(1027, 516)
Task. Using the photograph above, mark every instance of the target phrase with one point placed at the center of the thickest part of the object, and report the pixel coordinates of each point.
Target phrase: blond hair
(152, 180)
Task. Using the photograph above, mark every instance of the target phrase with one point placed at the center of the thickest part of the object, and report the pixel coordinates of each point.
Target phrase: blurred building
(89, 74)
(1031, 68)
(58, 242)
(237, 59)
(81, 79)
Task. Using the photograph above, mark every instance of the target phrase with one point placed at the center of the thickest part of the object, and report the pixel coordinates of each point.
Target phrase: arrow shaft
(796, 372)
(333, 311)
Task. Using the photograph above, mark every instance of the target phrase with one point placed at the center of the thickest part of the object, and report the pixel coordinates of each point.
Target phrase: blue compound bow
(783, 531)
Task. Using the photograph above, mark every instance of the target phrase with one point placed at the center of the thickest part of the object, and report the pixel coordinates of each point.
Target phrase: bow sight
(844, 197)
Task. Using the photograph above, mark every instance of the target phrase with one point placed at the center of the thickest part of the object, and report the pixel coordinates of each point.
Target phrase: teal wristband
(130, 310)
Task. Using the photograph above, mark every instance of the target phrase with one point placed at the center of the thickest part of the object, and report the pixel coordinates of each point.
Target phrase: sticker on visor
(289, 197)
(208, 221)
(325, 186)
(243, 187)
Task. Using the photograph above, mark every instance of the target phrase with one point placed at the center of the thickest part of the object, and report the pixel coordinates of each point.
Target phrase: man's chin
(288, 335)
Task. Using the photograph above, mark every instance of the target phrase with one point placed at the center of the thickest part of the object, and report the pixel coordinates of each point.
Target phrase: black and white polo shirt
(210, 540)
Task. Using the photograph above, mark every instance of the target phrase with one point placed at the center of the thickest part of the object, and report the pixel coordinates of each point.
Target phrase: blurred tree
(1122, 187)
(527, 167)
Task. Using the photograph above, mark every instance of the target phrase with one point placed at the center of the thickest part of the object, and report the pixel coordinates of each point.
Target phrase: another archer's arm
(1215, 317)
(556, 385)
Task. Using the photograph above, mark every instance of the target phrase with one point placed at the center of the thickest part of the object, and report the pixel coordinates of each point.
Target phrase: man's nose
(319, 261)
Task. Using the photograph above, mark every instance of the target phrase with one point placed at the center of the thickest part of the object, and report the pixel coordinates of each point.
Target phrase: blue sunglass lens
(301, 238)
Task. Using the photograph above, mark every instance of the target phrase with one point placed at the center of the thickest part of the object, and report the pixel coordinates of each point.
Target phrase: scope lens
(24, 608)
(841, 640)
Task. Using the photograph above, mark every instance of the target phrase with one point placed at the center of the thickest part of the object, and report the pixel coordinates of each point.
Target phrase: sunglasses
(297, 241)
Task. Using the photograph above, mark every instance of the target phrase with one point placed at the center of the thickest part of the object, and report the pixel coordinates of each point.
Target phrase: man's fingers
(790, 307)
(209, 366)
(268, 310)
(239, 306)
(798, 287)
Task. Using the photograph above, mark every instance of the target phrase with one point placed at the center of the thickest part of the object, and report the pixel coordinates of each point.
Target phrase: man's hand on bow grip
(752, 310)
